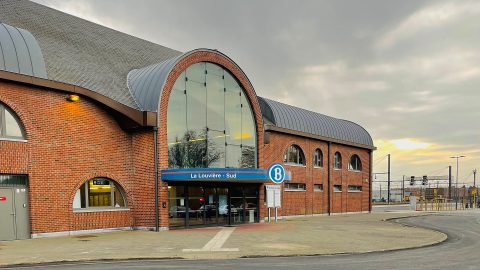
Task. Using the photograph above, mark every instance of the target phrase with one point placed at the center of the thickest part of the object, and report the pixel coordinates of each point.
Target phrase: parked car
(177, 211)
(223, 209)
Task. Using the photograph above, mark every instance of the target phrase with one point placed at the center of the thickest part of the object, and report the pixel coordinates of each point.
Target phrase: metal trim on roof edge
(140, 118)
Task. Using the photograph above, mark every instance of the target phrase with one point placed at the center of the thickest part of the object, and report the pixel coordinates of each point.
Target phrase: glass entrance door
(195, 205)
(210, 206)
(236, 202)
(223, 208)
(251, 204)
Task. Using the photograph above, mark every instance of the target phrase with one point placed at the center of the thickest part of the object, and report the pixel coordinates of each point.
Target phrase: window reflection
(10, 126)
(337, 161)
(294, 155)
(210, 121)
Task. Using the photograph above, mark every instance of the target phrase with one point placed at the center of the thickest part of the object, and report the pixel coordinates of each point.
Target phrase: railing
(443, 204)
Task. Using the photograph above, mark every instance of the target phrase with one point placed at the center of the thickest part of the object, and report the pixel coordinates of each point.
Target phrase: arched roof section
(20, 52)
(146, 84)
(297, 119)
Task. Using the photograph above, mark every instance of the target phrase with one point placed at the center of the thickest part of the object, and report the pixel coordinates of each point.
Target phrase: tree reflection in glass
(191, 151)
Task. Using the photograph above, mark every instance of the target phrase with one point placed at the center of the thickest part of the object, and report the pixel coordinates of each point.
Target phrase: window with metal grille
(318, 187)
(337, 161)
(294, 155)
(318, 158)
(13, 180)
(294, 187)
(352, 188)
(10, 125)
(355, 163)
(98, 193)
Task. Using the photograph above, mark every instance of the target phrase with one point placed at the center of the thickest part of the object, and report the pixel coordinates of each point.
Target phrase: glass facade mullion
(210, 121)
(216, 149)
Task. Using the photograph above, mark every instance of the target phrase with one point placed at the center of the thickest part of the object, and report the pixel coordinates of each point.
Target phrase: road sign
(276, 173)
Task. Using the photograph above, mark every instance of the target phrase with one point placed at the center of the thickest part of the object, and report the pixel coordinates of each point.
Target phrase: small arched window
(294, 155)
(318, 158)
(337, 161)
(10, 125)
(355, 163)
(99, 193)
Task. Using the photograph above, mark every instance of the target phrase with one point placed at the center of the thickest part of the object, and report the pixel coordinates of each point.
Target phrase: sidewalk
(354, 233)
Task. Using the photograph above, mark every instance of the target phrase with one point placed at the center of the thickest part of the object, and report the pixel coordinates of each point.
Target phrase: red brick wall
(67, 144)
(314, 202)
(70, 143)
(143, 174)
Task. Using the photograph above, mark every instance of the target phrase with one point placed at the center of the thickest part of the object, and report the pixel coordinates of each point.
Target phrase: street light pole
(456, 182)
(474, 173)
(388, 196)
(474, 188)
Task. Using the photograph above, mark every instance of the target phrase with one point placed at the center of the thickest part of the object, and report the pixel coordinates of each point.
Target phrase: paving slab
(354, 233)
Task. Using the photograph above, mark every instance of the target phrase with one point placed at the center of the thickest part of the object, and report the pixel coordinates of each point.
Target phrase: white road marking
(216, 243)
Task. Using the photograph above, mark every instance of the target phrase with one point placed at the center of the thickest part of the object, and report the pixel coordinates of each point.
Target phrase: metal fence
(401, 191)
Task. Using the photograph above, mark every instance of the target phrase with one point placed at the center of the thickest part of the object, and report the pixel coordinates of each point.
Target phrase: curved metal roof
(298, 119)
(146, 84)
(20, 52)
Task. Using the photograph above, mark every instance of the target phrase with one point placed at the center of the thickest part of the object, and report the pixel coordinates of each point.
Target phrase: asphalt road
(460, 251)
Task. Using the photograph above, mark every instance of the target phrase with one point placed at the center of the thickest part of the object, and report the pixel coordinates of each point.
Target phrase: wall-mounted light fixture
(73, 98)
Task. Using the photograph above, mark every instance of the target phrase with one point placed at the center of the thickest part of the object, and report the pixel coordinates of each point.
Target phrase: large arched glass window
(337, 161)
(210, 123)
(10, 126)
(318, 158)
(99, 193)
(355, 163)
(294, 155)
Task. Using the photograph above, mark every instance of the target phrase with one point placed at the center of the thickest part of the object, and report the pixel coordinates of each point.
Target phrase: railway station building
(100, 130)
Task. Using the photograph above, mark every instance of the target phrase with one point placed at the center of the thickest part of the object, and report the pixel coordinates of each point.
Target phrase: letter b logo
(276, 173)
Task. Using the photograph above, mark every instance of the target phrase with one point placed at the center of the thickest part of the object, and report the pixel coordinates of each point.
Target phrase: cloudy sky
(408, 71)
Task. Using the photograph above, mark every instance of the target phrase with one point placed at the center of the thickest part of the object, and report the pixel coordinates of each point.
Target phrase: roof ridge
(309, 110)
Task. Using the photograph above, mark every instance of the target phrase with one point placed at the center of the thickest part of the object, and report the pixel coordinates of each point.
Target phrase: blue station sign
(215, 174)
(276, 173)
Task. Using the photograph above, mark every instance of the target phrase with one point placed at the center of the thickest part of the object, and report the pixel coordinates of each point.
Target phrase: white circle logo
(276, 173)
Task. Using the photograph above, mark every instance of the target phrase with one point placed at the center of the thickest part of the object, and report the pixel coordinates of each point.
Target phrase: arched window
(210, 121)
(318, 158)
(355, 163)
(294, 155)
(10, 125)
(99, 193)
(337, 161)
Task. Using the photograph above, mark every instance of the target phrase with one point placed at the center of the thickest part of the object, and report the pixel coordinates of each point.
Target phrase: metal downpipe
(155, 157)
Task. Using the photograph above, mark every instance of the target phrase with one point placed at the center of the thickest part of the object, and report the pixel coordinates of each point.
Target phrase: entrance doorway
(14, 208)
(212, 204)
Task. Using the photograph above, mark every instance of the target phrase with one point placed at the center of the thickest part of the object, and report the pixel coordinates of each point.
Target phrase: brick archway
(219, 59)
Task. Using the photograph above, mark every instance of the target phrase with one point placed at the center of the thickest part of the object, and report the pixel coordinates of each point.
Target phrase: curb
(72, 262)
